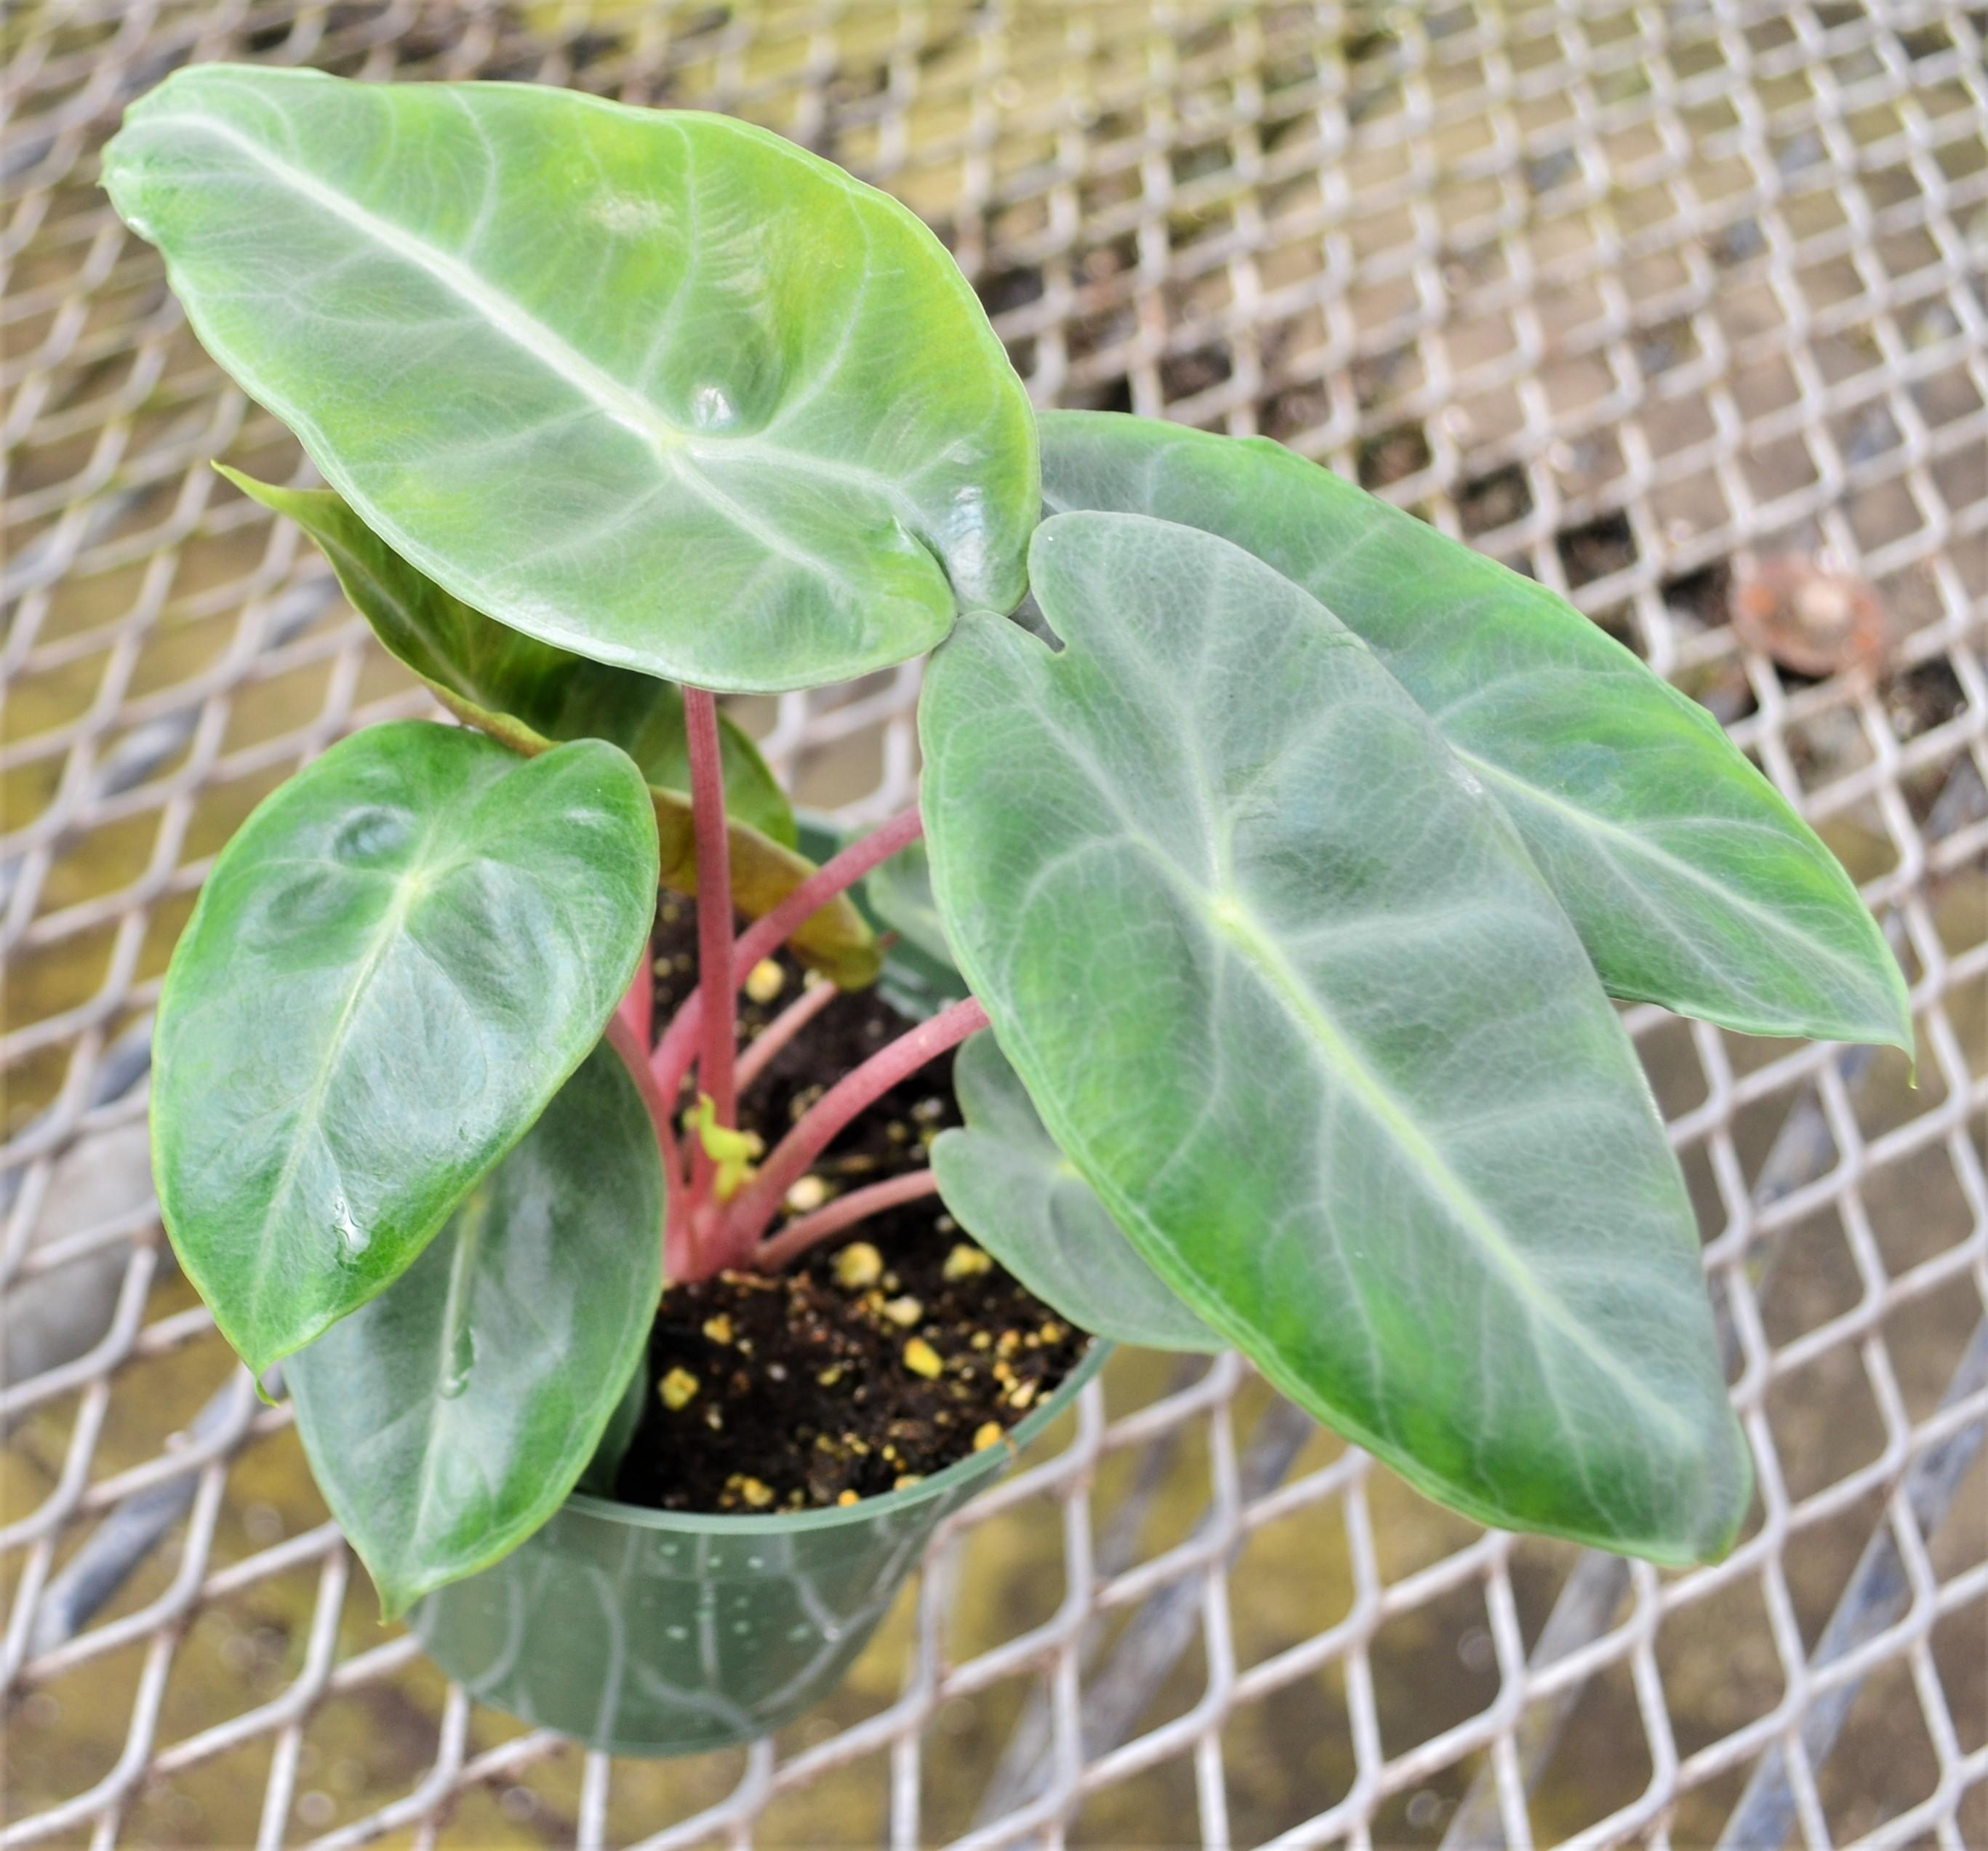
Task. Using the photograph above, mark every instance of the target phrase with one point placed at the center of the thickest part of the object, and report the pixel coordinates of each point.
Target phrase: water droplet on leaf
(712, 408)
(461, 1360)
(371, 836)
(352, 1239)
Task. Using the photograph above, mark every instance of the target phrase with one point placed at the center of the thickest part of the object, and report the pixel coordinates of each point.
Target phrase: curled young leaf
(447, 1419)
(393, 965)
(1002, 1178)
(1285, 987)
(656, 386)
(1693, 882)
(532, 696)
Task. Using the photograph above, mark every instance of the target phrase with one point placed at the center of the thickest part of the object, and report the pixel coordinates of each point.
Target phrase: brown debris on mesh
(1815, 622)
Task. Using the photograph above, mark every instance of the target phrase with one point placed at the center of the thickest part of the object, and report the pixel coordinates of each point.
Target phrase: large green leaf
(659, 387)
(532, 696)
(392, 966)
(1287, 988)
(1693, 883)
(1008, 1185)
(447, 1419)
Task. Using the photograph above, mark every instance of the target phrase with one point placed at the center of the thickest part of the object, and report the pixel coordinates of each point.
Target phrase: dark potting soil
(879, 1357)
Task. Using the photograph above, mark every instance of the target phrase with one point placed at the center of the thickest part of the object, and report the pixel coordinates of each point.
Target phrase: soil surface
(881, 1356)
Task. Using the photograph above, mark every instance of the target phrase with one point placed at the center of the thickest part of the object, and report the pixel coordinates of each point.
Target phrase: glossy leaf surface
(1287, 988)
(448, 1418)
(393, 965)
(1693, 882)
(532, 696)
(1004, 1180)
(658, 387)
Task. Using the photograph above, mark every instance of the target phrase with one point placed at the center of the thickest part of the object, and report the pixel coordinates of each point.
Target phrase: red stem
(679, 1252)
(716, 991)
(815, 997)
(674, 1052)
(845, 1211)
(636, 1010)
(753, 1209)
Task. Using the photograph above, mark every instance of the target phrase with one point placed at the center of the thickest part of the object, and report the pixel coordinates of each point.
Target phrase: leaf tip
(272, 495)
(394, 1599)
(1729, 1495)
(1904, 1038)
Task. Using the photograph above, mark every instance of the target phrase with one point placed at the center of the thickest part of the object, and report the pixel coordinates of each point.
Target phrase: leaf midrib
(1633, 843)
(517, 324)
(472, 1219)
(393, 923)
(1241, 929)
(526, 331)
(1230, 919)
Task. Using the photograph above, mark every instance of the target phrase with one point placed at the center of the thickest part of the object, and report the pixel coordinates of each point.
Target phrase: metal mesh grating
(1629, 294)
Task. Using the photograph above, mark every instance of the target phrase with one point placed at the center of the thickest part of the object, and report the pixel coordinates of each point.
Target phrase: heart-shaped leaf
(658, 387)
(1285, 987)
(1005, 1181)
(448, 1418)
(532, 696)
(393, 964)
(1693, 882)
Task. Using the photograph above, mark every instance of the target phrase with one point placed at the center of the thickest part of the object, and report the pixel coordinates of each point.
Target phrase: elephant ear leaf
(1005, 1181)
(1692, 881)
(532, 696)
(1285, 987)
(656, 386)
(392, 966)
(448, 1418)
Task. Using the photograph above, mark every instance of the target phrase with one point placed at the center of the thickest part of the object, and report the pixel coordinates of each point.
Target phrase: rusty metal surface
(1635, 296)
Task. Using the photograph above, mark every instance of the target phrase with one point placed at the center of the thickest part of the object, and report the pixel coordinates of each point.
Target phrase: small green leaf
(1693, 882)
(532, 696)
(393, 965)
(1009, 1186)
(1284, 984)
(656, 386)
(448, 1418)
(730, 1150)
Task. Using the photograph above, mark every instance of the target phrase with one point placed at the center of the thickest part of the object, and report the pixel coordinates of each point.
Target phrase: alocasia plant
(1291, 852)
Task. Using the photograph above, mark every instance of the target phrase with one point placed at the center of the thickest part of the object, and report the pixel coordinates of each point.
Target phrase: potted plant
(1291, 853)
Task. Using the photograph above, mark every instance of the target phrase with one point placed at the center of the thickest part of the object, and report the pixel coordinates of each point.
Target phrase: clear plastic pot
(648, 1632)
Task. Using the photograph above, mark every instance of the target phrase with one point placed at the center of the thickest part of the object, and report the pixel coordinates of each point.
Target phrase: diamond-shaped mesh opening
(1636, 299)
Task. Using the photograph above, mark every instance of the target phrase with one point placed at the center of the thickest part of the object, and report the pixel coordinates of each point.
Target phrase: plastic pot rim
(865, 1509)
